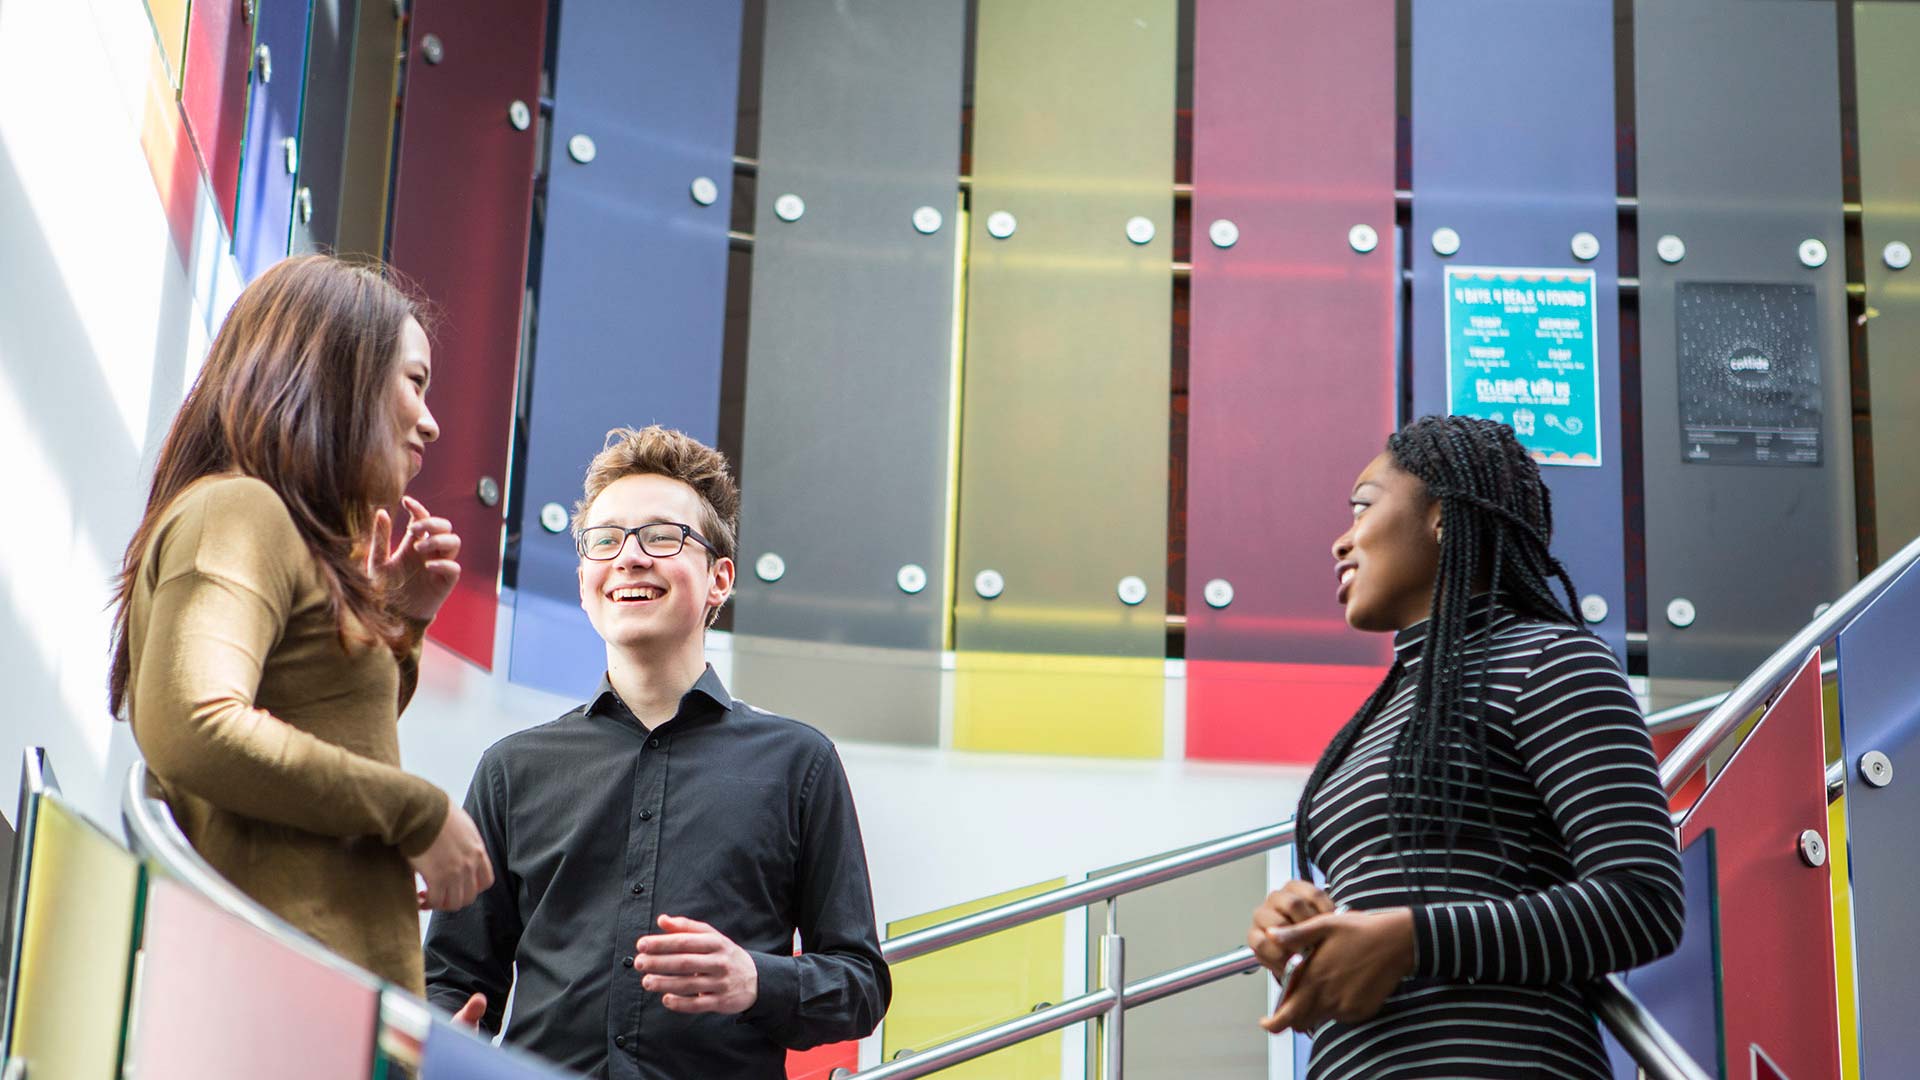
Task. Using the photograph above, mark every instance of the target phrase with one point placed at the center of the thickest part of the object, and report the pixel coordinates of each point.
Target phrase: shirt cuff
(778, 994)
(426, 814)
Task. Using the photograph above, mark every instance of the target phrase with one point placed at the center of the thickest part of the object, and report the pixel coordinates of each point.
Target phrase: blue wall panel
(1514, 151)
(263, 220)
(1880, 711)
(632, 279)
(1683, 990)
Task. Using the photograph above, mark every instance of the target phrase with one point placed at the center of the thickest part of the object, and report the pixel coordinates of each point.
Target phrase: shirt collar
(1408, 644)
(707, 691)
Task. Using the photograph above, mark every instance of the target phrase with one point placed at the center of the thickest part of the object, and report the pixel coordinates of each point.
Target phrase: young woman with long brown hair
(269, 630)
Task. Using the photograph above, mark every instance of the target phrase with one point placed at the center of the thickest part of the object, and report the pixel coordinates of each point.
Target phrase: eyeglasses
(660, 540)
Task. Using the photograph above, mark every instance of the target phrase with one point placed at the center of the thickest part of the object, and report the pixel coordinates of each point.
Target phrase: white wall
(102, 323)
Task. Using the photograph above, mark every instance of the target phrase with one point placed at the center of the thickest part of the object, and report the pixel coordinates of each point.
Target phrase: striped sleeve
(1580, 734)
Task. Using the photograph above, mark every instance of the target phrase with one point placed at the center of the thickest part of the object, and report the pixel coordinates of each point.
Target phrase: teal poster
(1521, 350)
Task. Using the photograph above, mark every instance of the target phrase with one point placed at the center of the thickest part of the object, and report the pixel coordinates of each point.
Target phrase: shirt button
(653, 743)
(639, 889)
(626, 961)
(620, 1041)
(646, 815)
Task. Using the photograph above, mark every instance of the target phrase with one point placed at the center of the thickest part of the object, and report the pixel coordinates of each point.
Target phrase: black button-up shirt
(596, 826)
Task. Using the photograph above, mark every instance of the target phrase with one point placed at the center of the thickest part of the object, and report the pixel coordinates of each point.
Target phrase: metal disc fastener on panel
(1140, 230)
(263, 61)
(1223, 233)
(581, 149)
(703, 190)
(1876, 768)
(770, 567)
(1670, 248)
(989, 584)
(1363, 238)
(1445, 241)
(431, 48)
(290, 146)
(1897, 255)
(1132, 590)
(1813, 849)
(926, 221)
(912, 578)
(1586, 246)
(1812, 253)
(487, 491)
(1218, 592)
(789, 207)
(519, 115)
(1001, 224)
(553, 518)
(1593, 608)
(1680, 612)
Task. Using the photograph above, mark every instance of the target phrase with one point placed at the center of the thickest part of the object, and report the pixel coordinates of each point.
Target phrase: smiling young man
(657, 849)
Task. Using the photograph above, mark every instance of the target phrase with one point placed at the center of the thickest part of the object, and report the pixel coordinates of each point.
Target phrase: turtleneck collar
(1409, 644)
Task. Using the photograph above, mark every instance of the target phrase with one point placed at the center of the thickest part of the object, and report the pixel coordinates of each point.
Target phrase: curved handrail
(1640, 1035)
(154, 835)
(1759, 687)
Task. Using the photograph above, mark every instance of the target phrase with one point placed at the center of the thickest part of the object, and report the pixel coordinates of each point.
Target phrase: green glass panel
(1063, 468)
(1886, 39)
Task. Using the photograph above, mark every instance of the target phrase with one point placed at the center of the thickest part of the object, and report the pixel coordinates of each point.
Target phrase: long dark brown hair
(293, 393)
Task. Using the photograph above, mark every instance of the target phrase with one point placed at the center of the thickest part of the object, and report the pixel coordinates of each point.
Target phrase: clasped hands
(693, 967)
(1350, 960)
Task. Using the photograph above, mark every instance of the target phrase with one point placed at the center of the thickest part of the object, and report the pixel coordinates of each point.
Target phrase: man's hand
(1358, 959)
(696, 969)
(1294, 902)
(420, 571)
(456, 867)
(469, 1015)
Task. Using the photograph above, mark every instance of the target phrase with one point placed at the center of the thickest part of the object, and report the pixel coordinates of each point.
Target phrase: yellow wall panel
(76, 948)
(950, 993)
(1097, 706)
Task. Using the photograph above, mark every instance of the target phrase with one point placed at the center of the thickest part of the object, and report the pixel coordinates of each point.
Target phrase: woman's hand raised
(419, 572)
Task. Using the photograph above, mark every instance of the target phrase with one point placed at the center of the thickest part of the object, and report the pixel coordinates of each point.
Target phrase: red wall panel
(1292, 359)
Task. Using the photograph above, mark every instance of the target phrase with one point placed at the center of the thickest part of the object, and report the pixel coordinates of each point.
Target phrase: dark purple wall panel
(462, 192)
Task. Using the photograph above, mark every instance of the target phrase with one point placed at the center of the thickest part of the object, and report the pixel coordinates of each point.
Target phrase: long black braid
(1496, 521)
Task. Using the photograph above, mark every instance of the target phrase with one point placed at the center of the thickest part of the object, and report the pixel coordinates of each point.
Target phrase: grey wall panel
(1204, 1034)
(323, 126)
(1738, 117)
(845, 454)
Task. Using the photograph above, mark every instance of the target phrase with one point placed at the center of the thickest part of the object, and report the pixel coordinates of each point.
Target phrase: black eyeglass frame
(686, 533)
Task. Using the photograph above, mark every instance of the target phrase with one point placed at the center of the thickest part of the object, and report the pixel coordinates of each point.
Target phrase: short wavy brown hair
(659, 451)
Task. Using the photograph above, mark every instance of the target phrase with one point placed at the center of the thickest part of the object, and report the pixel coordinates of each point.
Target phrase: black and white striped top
(1590, 882)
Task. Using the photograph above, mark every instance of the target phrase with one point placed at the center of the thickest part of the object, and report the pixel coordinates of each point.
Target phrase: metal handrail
(1639, 1034)
(155, 835)
(1166, 868)
(1759, 687)
(1064, 1015)
(1688, 714)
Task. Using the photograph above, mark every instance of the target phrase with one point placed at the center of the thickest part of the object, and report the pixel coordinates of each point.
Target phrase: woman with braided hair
(1490, 824)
